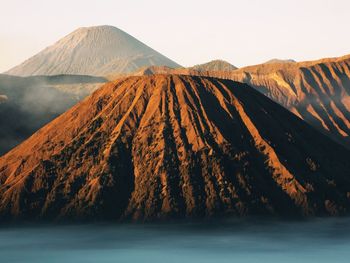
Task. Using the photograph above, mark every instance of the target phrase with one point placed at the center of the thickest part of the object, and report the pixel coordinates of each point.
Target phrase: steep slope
(97, 51)
(28, 103)
(214, 65)
(316, 91)
(165, 146)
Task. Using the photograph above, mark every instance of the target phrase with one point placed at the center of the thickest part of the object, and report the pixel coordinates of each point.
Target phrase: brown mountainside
(316, 91)
(164, 146)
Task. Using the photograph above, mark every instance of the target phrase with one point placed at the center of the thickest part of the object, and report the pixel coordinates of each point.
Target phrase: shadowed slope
(174, 146)
(316, 91)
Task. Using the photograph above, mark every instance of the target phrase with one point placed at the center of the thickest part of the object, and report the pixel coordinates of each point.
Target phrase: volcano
(97, 51)
(173, 146)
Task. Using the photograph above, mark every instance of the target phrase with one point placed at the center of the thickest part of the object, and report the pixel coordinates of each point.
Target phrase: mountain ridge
(316, 91)
(276, 60)
(214, 65)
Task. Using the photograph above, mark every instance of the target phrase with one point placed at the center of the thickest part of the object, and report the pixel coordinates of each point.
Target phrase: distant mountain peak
(98, 27)
(276, 60)
(214, 65)
(97, 50)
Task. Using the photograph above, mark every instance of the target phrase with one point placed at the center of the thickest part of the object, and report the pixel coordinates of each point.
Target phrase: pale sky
(188, 31)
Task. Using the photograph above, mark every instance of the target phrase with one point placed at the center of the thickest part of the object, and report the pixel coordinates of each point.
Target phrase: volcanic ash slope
(171, 146)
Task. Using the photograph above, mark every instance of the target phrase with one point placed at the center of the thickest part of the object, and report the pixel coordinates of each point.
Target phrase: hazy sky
(187, 31)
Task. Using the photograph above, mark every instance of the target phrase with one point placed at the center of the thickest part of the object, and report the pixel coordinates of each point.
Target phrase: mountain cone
(170, 146)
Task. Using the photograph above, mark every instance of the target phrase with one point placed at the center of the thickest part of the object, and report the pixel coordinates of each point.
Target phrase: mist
(233, 240)
(28, 103)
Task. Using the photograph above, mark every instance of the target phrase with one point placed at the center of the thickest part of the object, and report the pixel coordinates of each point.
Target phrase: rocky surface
(167, 146)
(316, 91)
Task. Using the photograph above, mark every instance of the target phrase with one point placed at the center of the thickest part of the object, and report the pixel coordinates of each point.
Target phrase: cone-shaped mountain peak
(99, 50)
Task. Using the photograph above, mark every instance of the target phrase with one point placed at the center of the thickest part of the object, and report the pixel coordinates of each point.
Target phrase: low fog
(28, 103)
(233, 240)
